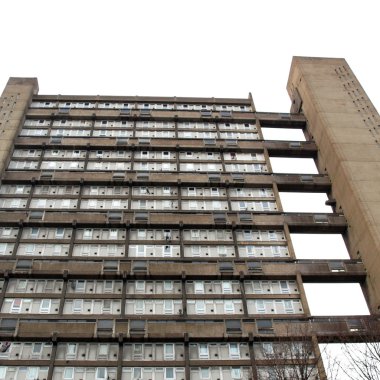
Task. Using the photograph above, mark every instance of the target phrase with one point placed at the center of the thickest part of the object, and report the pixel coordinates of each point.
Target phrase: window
(45, 306)
(16, 203)
(19, 189)
(169, 373)
(49, 286)
(227, 287)
(167, 251)
(205, 373)
(214, 191)
(140, 286)
(101, 373)
(284, 287)
(288, 307)
(195, 234)
(77, 306)
(79, 286)
(3, 248)
(200, 307)
(247, 235)
(199, 287)
(242, 205)
(257, 287)
(139, 306)
(21, 285)
(106, 307)
(267, 349)
(36, 350)
(116, 203)
(140, 251)
(229, 307)
(137, 374)
(137, 352)
(108, 286)
(168, 286)
(234, 352)
(7, 231)
(16, 305)
(191, 191)
(59, 233)
(32, 373)
(34, 232)
(29, 249)
(203, 351)
(222, 251)
(235, 373)
(168, 307)
(195, 251)
(141, 234)
(113, 233)
(216, 205)
(169, 351)
(260, 306)
(87, 233)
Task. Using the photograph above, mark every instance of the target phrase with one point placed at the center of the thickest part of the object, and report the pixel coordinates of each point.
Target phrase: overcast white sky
(184, 48)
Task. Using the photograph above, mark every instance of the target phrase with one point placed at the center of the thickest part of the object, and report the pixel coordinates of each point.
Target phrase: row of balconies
(144, 251)
(150, 287)
(32, 154)
(143, 373)
(143, 133)
(169, 235)
(145, 191)
(142, 204)
(146, 125)
(146, 307)
(137, 166)
(151, 352)
(141, 106)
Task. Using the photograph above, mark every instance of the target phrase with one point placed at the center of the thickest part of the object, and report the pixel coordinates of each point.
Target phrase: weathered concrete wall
(346, 128)
(14, 102)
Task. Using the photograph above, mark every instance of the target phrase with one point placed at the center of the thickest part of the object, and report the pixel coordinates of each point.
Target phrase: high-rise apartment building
(144, 237)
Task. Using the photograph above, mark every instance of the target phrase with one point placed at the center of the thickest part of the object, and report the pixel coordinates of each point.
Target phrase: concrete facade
(143, 238)
(345, 126)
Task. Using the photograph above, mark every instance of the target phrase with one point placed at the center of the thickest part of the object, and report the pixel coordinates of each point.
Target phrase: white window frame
(45, 306)
(200, 307)
(199, 287)
(169, 351)
(234, 350)
(203, 351)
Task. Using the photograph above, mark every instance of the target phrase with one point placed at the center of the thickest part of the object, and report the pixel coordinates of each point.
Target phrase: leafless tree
(293, 357)
(362, 360)
(359, 360)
